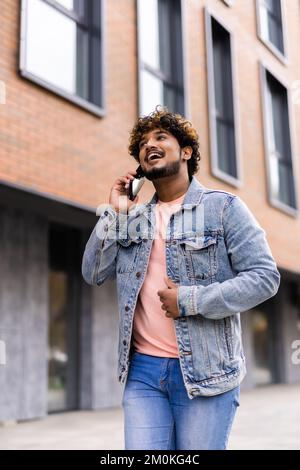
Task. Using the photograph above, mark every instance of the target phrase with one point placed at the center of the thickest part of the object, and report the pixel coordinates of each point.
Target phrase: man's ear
(187, 152)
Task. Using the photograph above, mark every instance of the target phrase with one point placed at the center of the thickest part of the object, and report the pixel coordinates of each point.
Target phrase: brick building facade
(69, 97)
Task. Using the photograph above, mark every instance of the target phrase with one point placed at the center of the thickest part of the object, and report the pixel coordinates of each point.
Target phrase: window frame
(156, 73)
(263, 70)
(283, 57)
(99, 111)
(215, 170)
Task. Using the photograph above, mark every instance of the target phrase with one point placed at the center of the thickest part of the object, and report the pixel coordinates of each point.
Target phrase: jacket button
(138, 274)
(127, 308)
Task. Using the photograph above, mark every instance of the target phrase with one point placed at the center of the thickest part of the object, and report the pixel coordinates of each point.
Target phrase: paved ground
(268, 418)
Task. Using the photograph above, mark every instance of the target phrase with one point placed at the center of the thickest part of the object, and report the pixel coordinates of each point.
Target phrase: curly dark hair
(176, 124)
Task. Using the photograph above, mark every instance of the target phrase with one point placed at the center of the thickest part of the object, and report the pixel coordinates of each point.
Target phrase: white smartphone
(136, 184)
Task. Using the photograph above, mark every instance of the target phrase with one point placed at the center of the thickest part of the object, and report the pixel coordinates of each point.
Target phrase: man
(186, 264)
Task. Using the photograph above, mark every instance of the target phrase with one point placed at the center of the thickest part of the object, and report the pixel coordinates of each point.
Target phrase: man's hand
(168, 298)
(120, 188)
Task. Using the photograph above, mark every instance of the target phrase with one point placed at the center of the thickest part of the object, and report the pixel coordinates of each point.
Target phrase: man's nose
(150, 143)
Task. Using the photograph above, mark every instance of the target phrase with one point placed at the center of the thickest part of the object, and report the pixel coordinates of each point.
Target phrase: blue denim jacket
(216, 252)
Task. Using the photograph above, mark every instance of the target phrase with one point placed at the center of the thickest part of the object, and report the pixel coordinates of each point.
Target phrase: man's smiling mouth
(154, 156)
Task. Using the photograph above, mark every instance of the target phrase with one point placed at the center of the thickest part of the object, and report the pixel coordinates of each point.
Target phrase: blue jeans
(158, 414)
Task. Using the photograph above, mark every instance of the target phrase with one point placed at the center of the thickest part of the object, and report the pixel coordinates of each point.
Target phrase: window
(278, 142)
(270, 25)
(160, 55)
(61, 48)
(63, 318)
(221, 102)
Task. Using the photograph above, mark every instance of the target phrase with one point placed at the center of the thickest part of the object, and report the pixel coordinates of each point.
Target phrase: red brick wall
(53, 146)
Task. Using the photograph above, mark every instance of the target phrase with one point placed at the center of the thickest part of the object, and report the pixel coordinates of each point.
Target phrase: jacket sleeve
(99, 258)
(257, 277)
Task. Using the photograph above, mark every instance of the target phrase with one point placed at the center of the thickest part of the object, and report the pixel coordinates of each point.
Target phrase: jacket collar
(192, 198)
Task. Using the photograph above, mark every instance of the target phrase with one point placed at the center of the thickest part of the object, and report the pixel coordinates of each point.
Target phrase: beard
(168, 170)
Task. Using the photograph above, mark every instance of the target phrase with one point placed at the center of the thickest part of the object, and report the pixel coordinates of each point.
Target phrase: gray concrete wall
(23, 314)
(106, 390)
(24, 327)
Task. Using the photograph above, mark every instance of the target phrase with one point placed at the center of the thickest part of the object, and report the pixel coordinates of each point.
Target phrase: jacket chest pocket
(127, 255)
(200, 256)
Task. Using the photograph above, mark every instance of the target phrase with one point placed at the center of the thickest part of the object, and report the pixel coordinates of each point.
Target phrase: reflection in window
(148, 21)
(262, 370)
(51, 45)
(62, 50)
(63, 319)
(160, 54)
(151, 90)
(57, 354)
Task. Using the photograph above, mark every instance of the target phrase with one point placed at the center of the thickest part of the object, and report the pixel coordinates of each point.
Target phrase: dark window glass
(271, 22)
(224, 112)
(63, 321)
(280, 154)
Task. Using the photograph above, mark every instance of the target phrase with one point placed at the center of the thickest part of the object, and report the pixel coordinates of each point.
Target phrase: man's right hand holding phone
(120, 188)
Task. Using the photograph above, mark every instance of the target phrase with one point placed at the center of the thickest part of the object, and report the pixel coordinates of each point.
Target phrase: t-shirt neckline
(174, 201)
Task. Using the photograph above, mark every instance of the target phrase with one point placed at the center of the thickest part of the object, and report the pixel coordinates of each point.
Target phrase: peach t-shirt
(153, 332)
